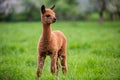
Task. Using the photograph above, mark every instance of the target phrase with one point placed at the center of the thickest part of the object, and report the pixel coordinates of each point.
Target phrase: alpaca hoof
(38, 74)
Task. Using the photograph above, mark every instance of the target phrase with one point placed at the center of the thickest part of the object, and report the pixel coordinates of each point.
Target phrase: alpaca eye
(48, 15)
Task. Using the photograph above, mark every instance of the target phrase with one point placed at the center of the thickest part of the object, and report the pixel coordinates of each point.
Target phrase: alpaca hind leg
(63, 60)
(58, 65)
(64, 64)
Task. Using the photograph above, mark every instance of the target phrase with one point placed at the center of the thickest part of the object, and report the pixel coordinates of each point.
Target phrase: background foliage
(29, 10)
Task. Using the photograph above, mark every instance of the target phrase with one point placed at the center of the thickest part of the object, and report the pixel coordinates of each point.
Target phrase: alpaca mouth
(54, 21)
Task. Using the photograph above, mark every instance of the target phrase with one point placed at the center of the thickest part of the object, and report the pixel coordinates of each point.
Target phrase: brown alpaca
(52, 43)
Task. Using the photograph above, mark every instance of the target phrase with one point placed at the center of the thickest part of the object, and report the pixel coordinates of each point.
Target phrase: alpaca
(52, 43)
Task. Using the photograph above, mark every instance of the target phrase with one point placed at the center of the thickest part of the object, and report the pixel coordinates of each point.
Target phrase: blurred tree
(66, 10)
(8, 7)
(48, 3)
(112, 7)
(32, 10)
(19, 10)
(102, 9)
(85, 8)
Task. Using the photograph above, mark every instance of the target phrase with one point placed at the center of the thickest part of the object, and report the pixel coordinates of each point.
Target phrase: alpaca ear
(52, 7)
(42, 9)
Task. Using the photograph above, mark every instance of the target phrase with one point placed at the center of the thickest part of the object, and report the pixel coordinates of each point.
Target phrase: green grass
(93, 51)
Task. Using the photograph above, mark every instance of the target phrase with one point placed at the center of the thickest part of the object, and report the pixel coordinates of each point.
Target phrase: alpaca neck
(46, 32)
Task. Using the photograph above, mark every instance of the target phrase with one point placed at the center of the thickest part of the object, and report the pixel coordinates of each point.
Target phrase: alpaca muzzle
(54, 20)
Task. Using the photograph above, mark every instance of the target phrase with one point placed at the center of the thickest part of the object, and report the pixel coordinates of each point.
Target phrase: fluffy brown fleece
(52, 43)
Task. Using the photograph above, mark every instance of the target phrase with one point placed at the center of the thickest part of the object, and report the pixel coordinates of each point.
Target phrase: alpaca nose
(54, 19)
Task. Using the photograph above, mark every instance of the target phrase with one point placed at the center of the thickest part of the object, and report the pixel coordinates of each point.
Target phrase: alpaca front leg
(53, 66)
(41, 60)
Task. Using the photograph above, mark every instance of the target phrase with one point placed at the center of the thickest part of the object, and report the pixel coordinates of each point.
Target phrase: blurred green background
(29, 10)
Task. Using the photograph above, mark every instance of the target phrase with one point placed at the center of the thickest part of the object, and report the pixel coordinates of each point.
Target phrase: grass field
(93, 51)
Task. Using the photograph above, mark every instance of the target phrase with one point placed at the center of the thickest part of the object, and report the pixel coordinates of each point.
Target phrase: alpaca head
(47, 15)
